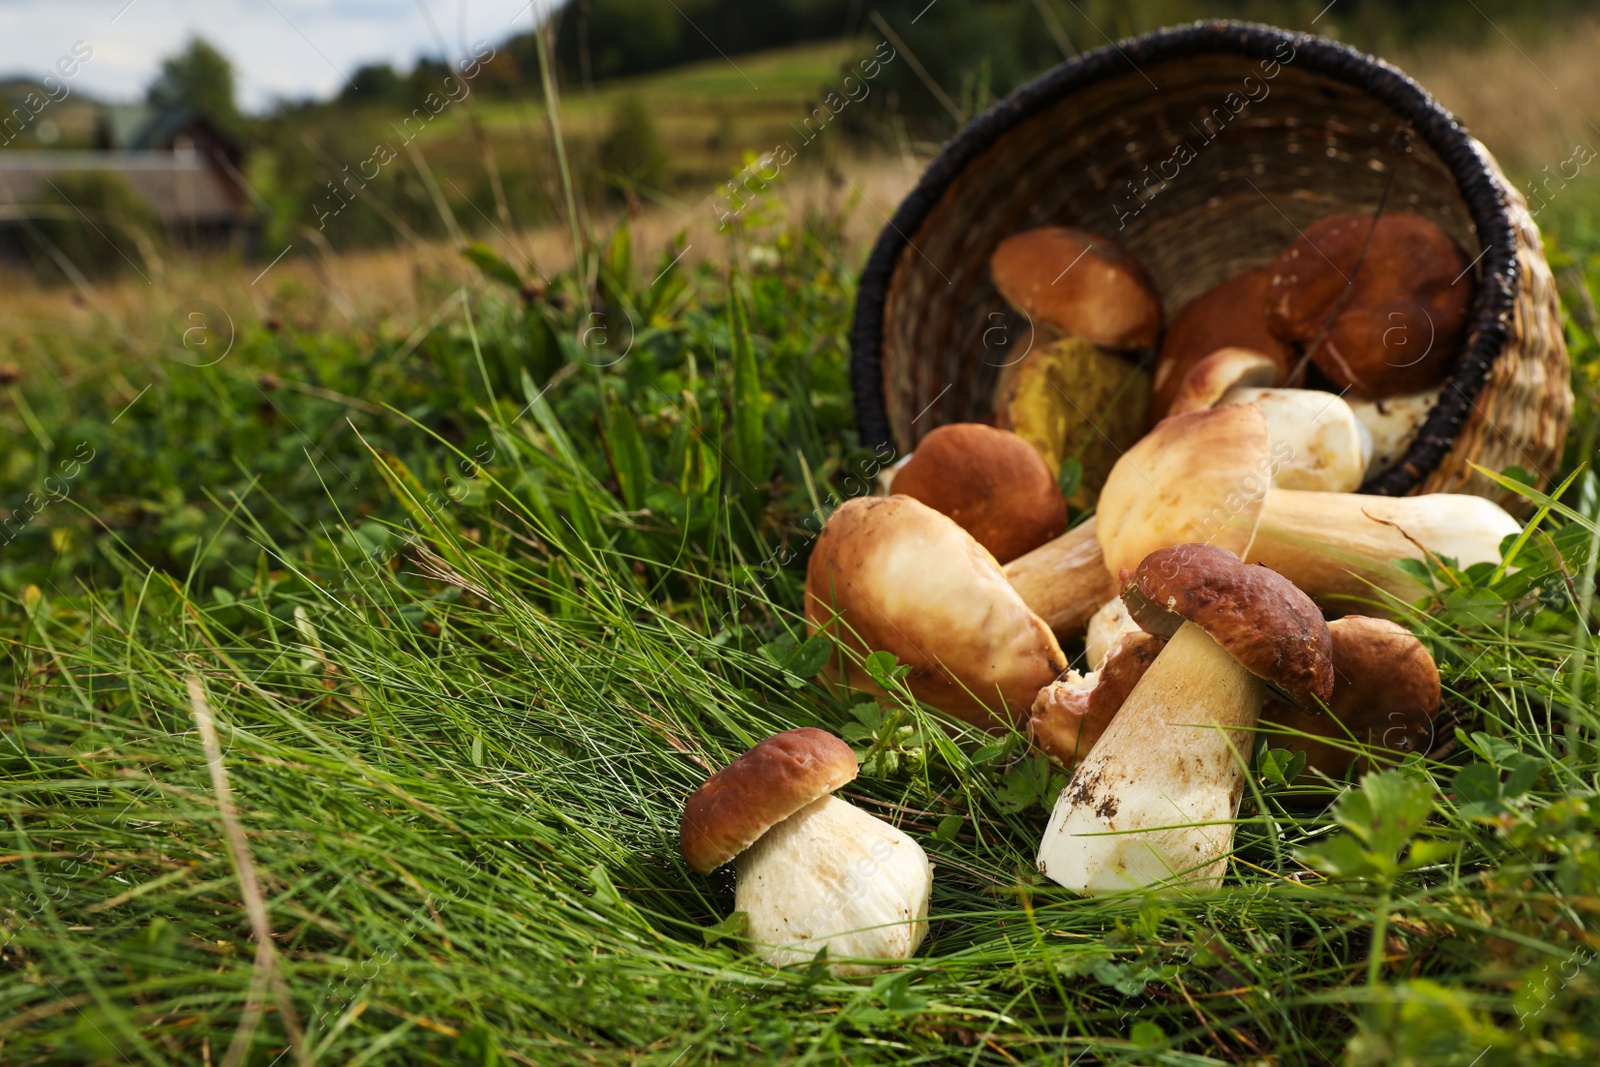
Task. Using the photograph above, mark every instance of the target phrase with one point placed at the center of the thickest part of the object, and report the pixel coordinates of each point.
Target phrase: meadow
(365, 635)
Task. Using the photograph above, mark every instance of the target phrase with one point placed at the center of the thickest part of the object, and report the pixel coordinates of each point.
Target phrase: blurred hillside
(656, 108)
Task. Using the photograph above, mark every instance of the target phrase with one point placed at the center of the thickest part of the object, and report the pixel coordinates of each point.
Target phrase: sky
(279, 48)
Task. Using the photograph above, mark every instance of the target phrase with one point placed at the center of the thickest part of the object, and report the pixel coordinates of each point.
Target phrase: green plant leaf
(812, 656)
(749, 406)
(492, 265)
(884, 669)
(895, 992)
(630, 463)
(1275, 765)
(1417, 569)
(1379, 818)
(732, 929)
(1071, 476)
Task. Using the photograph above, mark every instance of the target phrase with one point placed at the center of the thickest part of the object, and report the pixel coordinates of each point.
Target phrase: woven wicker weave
(1311, 128)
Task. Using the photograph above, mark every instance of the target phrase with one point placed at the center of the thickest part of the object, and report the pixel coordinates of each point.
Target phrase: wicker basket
(1326, 130)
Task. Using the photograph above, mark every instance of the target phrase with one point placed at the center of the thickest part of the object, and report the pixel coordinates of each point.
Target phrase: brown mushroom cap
(760, 789)
(1071, 713)
(1231, 315)
(1254, 613)
(1385, 694)
(994, 485)
(1222, 370)
(892, 574)
(1196, 477)
(1080, 283)
(1400, 327)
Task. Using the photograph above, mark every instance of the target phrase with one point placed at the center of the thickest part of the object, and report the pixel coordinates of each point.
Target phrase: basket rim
(1467, 162)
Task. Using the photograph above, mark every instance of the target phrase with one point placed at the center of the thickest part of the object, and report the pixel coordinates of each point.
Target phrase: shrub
(96, 221)
(631, 155)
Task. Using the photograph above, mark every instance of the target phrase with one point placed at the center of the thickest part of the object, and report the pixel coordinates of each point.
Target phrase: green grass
(472, 621)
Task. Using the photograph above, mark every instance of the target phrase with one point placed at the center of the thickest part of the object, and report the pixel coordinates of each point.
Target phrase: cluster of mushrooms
(1227, 533)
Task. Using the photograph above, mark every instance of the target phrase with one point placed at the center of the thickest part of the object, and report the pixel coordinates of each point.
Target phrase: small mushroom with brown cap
(813, 871)
(1154, 800)
(1210, 378)
(1072, 712)
(993, 484)
(892, 574)
(1385, 696)
(1382, 301)
(1080, 284)
(1230, 315)
(1326, 447)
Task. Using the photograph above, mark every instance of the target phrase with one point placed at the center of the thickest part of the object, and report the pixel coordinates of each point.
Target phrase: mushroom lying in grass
(1206, 476)
(1385, 696)
(1153, 801)
(1322, 445)
(814, 871)
(1072, 712)
(892, 574)
(993, 484)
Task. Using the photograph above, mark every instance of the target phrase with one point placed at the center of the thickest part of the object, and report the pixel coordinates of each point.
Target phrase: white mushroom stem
(1154, 799)
(1106, 627)
(830, 874)
(884, 483)
(1317, 443)
(1064, 581)
(1392, 424)
(1332, 545)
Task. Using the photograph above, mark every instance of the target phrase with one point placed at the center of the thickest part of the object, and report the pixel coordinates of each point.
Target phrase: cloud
(279, 48)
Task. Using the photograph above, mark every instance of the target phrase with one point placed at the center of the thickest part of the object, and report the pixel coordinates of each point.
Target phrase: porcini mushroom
(1383, 302)
(1341, 547)
(1194, 478)
(1072, 712)
(1079, 284)
(813, 871)
(993, 484)
(1385, 696)
(1207, 476)
(892, 574)
(1154, 799)
(1392, 424)
(883, 484)
(1073, 400)
(1324, 447)
(1209, 379)
(1230, 315)
(1106, 627)
(1064, 581)
(1331, 448)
